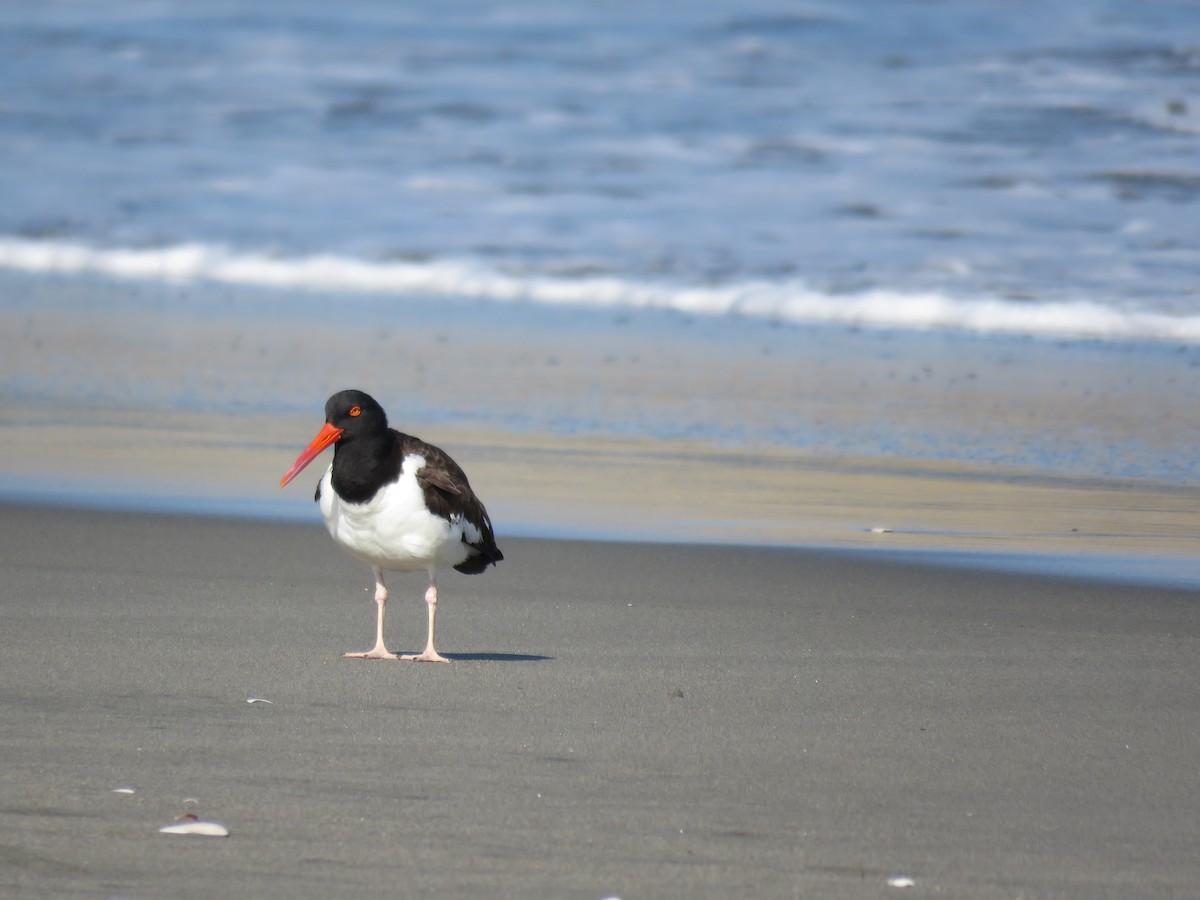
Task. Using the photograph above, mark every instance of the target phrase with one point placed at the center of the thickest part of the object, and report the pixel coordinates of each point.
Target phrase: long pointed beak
(324, 438)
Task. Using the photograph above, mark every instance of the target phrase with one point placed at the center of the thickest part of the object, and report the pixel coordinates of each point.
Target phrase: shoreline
(660, 492)
(1097, 565)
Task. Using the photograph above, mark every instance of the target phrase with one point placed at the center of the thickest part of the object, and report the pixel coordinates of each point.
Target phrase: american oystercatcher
(396, 502)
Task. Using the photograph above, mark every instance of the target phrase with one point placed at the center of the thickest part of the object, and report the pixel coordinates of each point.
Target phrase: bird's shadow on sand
(496, 657)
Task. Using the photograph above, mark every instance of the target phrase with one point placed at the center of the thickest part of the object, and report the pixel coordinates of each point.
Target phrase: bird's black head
(355, 413)
(351, 418)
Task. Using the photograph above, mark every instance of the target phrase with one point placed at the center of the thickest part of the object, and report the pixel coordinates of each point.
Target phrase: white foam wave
(789, 301)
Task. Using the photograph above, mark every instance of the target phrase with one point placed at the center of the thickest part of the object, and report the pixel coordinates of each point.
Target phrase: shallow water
(1099, 410)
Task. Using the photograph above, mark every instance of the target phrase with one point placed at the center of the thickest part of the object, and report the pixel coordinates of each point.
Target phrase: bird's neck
(363, 465)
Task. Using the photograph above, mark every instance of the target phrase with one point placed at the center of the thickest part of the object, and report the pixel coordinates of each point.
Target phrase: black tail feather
(486, 552)
(478, 562)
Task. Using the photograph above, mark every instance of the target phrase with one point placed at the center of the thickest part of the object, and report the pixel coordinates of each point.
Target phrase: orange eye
(356, 410)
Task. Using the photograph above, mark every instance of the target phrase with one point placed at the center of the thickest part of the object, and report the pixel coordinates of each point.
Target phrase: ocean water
(979, 166)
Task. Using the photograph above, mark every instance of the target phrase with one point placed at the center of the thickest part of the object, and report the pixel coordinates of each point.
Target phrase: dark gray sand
(621, 720)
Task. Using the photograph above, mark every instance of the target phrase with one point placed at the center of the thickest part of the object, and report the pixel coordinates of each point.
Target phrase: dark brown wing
(448, 493)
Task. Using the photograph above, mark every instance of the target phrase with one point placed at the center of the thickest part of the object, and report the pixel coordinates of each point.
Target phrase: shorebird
(397, 503)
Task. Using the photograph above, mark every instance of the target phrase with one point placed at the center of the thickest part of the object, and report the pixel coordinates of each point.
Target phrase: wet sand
(621, 719)
(611, 487)
(78, 349)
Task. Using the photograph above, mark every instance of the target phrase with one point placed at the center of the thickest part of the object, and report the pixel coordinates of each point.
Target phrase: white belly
(394, 529)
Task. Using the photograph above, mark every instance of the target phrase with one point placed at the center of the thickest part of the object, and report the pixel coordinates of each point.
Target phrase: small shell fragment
(879, 529)
(258, 700)
(901, 881)
(190, 823)
(124, 789)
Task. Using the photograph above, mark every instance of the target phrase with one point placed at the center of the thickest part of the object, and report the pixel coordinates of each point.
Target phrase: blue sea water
(989, 165)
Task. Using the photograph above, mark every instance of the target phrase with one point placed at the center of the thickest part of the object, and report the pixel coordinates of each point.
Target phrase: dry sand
(621, 720)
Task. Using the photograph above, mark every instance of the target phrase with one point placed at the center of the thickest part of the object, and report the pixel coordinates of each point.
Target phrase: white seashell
(258, 700)
(190, 824)
(901, 881)
(879, 529)
(124, 789)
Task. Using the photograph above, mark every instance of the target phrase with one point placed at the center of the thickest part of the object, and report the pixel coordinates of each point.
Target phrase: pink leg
(379, 651)
(429, 654)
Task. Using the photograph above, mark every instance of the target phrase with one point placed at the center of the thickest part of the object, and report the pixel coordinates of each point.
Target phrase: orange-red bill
(324, 438)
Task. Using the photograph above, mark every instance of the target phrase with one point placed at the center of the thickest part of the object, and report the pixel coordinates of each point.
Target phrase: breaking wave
(785, 301)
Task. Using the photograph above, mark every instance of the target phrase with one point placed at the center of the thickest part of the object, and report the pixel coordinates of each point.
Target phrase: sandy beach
(620, 720)
(830, 376)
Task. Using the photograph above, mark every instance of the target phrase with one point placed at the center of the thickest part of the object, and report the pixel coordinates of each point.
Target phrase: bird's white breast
(394, 529)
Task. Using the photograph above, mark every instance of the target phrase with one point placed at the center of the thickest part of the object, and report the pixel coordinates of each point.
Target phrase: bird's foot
(429, 655)
(377, 653)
